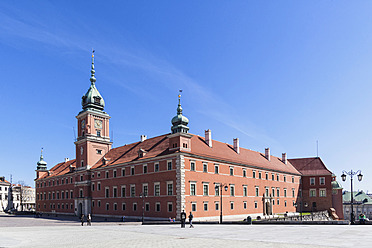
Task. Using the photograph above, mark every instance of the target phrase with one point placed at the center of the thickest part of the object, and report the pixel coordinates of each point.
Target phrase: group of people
(89, 219)
(183, 219)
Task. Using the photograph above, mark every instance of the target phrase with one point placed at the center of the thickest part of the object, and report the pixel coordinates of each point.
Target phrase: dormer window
(97, 99)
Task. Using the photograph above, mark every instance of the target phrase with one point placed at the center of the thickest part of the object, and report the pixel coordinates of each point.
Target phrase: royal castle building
(159, 177)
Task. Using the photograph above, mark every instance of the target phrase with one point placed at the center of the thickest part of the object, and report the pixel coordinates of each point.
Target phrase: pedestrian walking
(89, 220)
(190, 220)
(183, 219)
(82, 219)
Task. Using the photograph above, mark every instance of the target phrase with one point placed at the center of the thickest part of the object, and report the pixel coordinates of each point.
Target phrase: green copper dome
(41, 164)
(93, 99)
(336, 185)
(180, 122)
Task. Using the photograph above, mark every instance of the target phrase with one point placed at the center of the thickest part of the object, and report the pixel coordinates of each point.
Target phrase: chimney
(66, 160)
(208, 137)
(143, 138)
(267, 153)
(284, 158)
(236, 145)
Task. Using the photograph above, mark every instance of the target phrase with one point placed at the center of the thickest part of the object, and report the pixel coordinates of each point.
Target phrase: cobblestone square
(27, 231)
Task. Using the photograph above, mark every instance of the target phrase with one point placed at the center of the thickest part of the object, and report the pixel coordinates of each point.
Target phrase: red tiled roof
(61, 168)
(310, 166)
(154, 147)
(4, 181)
(226, 152)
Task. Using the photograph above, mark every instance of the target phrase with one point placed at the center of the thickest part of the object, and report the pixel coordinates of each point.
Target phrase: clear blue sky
(278, 74)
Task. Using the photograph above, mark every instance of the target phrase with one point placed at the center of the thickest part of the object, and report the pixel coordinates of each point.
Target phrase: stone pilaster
(180, 184)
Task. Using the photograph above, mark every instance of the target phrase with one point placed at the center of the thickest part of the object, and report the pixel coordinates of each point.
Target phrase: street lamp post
(217, 187)
(143, 195)
(360, 177)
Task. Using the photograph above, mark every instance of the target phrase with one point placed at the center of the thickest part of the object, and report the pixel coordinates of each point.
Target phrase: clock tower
(93, 127)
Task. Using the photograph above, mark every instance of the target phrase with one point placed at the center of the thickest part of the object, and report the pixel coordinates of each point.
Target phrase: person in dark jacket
(190, 220)
(82, 219)
(183, 219)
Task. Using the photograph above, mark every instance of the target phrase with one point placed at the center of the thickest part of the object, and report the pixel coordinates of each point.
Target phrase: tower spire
(92, 77)
(41, 164)
(179, 122)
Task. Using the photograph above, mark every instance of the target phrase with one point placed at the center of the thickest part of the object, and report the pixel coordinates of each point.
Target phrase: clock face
(97, 123)
(83, 124)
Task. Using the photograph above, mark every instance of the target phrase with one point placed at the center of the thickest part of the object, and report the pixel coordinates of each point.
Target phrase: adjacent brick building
(318, 189)
(163, 175)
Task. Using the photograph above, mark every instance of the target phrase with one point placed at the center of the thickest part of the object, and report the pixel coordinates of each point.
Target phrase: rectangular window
(98, 186)
(147, 207)
(292, 179)
(169, 165)
(122, 191)
(205, 204)
(277, 192)
(278, 201)
(115, 192)
(132, 190)
(267, 176)
(122, 172)
(123, 206)
(285, 192)
(92, 186)
(115, 206)
(231, 171)
(321, 180)
(266, 191)
(217, 189)
(107, 206)
(312, 180)
(273, 192)
(312, 192)
(114, 173)
(157, 207)
(244, 173)
(192, 189)
(231, 205)
(205, 189)
(99, 204)
(285, 203)
(169, 188)
(215, 169)
(192, 166)
(232, 190)
(193, 207)
(134, 206)
(284, 178)
(107, 174)
(132, 170)
(107, 192)
(145, 189)
(156, 189)
(170, 206)
(245, 205)
(272, 177)
(245, 191)
(205, 167)
(144, 169)
(293, 192)
(156, 167)
(99, 151)
(255, 204)
(277, 177)
(216, 205)
(257, 191)
(322, 192)
(259, 175)
(254, 174)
